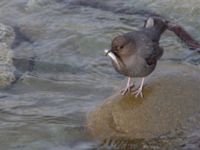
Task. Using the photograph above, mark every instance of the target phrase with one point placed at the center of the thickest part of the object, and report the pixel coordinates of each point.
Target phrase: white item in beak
(112, 56)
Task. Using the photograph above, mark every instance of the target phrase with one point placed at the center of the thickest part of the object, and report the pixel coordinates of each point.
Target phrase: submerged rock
(171, 97)
(37, 4)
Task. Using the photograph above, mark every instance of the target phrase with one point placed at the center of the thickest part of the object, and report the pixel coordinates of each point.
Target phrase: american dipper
(135, 54)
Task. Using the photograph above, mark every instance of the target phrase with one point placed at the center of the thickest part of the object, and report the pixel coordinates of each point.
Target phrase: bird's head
(120, 49)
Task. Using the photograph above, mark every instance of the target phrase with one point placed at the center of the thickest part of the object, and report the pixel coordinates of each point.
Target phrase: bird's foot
(138, 92)
(127, 89)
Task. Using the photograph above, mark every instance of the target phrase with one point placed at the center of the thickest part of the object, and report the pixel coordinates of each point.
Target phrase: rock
(6, 66)
(7, 34)
(171, 97)
(7, 37)
(9, 61)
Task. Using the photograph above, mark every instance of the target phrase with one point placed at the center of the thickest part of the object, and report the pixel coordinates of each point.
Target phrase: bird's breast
(134, 67)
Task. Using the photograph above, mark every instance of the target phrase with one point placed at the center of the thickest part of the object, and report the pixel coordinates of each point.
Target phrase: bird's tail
(184, 36)
(178, 30)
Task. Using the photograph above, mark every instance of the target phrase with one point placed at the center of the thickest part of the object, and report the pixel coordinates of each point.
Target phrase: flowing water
(47, 109)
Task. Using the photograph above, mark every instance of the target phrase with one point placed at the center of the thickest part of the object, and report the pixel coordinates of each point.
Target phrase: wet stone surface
(7, 69)
(171, 98)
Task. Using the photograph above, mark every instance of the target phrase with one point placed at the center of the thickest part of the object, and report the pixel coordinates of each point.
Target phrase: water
(71, 75)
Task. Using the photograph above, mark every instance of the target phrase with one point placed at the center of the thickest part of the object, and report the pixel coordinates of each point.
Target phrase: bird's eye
(121, 47)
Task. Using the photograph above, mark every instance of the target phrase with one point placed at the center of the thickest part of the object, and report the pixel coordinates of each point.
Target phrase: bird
(135, 54)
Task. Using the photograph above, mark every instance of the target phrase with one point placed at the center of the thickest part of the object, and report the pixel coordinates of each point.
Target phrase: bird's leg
(139, 90)
(128, 87)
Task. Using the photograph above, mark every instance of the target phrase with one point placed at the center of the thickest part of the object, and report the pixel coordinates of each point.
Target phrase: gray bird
(135, 54)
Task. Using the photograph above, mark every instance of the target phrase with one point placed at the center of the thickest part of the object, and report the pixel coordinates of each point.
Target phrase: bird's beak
(106, 51)
(112, 56)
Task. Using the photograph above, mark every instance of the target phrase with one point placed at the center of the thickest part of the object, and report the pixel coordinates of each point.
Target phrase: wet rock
(171, 97)
(7, 37)
(9, 60)
(7, 34)
(6, 66)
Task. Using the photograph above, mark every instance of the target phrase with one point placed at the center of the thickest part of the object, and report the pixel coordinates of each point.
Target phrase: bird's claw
(138, 92)
(127, 90)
